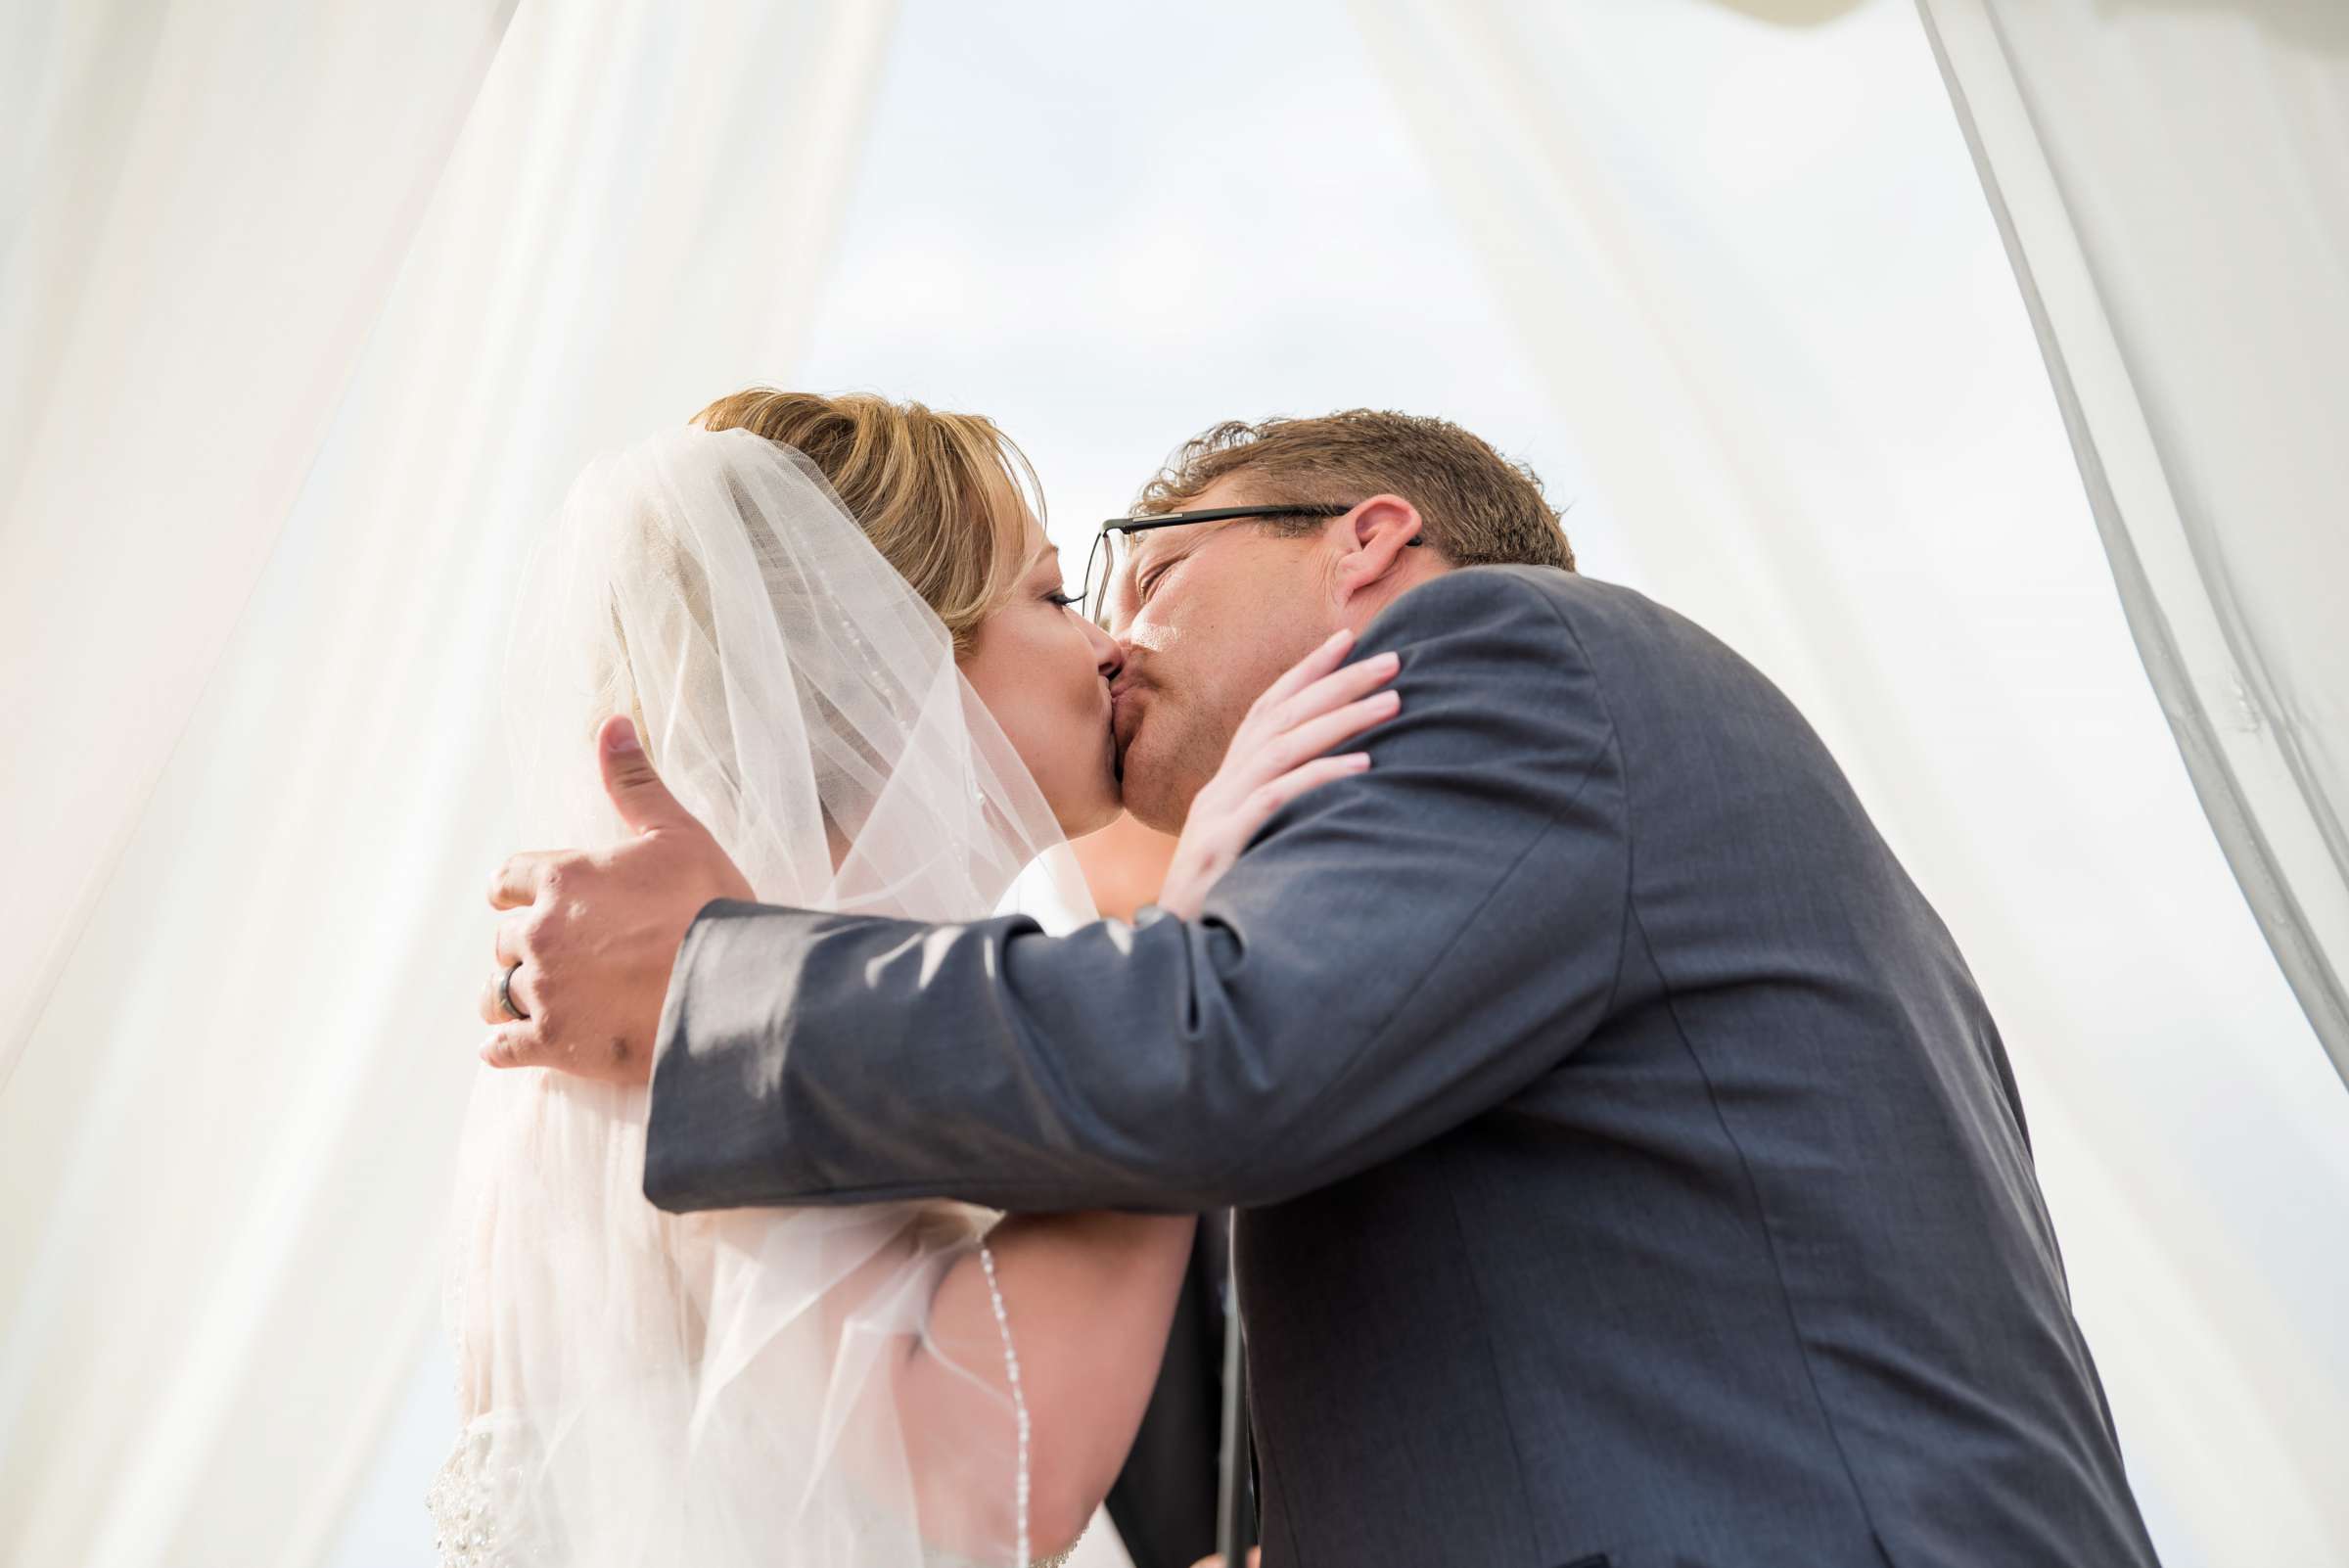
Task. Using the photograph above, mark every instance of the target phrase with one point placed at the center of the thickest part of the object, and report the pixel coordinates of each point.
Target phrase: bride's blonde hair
(944, 498)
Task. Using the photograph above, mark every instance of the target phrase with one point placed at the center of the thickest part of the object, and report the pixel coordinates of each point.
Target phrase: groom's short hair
(1480, 508)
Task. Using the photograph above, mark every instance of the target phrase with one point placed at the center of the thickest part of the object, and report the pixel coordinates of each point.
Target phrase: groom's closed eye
(1148, 577)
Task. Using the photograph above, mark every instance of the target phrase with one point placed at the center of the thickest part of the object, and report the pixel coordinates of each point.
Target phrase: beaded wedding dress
(732, 1389)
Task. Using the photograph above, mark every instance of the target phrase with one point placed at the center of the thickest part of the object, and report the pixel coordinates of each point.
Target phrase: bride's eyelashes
(1064, 598)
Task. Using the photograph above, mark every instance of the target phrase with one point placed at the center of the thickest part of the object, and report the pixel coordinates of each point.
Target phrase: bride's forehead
(1035, 546)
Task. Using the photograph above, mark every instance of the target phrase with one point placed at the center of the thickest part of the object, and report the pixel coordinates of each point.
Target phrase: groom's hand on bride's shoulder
(584, 961)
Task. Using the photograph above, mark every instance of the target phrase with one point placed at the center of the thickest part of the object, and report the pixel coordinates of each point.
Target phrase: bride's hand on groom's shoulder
(1275, 756)
(584, 961)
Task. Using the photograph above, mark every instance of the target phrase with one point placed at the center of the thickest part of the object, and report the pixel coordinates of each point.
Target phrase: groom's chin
(1133, 789)
(1148, 800)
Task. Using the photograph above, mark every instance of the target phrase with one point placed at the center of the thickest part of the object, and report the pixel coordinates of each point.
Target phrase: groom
(1628, 1172)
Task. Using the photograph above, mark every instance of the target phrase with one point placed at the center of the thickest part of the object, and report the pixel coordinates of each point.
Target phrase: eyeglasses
(1111, 545)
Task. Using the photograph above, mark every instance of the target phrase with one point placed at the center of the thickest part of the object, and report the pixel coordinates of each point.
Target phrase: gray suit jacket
(1631, 1171)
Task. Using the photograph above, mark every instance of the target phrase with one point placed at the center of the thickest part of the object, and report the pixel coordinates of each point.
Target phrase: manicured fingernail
(1342, 634)
(1359, 760)
(1389, 661)
(621, 738)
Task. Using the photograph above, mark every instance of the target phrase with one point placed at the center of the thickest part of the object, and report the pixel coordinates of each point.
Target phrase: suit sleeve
(1394, 953)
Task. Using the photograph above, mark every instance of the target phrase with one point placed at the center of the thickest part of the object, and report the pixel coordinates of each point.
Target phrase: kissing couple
(1626, 1170)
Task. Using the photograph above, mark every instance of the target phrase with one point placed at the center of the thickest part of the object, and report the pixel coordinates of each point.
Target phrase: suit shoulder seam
(1622, 771)
(1225, 1177)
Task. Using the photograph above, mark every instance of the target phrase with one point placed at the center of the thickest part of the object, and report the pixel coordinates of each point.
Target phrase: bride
(839, 632)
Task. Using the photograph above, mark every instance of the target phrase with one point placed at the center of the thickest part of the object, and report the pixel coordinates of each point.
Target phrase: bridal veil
(729, 1388)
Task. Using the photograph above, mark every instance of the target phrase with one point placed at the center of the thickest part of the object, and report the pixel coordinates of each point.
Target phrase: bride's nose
(1108, 658)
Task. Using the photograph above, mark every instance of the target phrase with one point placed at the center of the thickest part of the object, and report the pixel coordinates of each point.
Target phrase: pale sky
(1108, 235)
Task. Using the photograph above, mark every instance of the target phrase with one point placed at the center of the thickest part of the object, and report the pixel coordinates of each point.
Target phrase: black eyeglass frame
(1168, 520)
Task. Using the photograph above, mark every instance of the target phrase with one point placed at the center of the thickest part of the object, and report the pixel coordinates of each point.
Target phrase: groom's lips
(1122, 716)
(1124, 721)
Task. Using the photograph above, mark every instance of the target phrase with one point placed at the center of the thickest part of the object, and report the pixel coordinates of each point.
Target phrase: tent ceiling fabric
(1791, 12)
(1812, 399)
(260, 551)
(2171, 182)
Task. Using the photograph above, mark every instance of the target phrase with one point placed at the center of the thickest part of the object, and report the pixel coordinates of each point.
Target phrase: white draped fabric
(207, 209)
(308, 311)
(1815, 407)
(2173, 186)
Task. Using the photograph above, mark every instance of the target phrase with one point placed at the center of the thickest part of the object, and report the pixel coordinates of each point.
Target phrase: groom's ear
(1375, 541)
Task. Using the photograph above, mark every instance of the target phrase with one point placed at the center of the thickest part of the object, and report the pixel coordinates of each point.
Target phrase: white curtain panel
(1745, 246)
(205, 205)
(322, 308)
(2171, 182)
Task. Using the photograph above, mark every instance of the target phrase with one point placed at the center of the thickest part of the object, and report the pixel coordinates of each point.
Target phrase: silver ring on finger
(505, 994)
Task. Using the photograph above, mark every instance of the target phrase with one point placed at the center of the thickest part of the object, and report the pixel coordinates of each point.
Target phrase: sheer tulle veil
(728, 1389)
